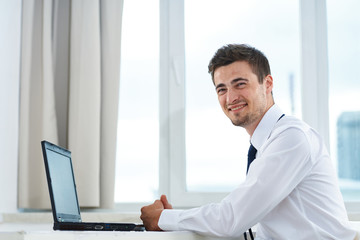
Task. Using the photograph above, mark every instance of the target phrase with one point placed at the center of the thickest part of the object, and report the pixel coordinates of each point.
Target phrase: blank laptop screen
(63, 184)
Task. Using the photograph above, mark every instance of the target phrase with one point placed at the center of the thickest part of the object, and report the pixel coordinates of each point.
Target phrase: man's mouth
(237, 107)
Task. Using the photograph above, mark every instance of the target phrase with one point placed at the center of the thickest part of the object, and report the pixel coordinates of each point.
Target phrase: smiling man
(291, 189)
(243, 99)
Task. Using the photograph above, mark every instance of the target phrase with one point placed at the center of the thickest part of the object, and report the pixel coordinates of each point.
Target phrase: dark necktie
(251, 156)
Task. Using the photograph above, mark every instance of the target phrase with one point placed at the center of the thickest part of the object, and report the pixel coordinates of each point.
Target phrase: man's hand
(150, 214)
(165, 202)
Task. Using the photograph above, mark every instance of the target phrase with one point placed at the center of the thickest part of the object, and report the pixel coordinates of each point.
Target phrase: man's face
(242, 98)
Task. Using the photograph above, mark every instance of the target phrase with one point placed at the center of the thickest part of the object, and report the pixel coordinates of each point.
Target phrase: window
(138, 128)
(180, 120)
(344, 88)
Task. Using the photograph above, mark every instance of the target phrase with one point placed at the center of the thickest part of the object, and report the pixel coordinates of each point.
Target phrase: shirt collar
(266, 125)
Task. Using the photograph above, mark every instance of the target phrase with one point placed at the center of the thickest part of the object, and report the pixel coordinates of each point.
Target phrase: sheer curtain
(69, 95)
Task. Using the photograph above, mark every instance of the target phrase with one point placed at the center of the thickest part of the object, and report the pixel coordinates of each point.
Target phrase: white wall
(10, 24)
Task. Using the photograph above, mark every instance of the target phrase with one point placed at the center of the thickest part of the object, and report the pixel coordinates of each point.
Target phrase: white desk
(12, 231)
(39, 227)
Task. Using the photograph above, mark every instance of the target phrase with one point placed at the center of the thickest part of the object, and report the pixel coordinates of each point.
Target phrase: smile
(235, 108)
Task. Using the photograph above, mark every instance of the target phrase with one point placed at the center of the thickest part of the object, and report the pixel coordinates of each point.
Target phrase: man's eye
(220, 91)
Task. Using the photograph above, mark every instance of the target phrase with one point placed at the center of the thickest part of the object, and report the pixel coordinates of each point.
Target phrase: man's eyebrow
(220, 85)
(238, 79)
(232, 82)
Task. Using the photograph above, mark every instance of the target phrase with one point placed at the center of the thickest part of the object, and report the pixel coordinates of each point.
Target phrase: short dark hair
(241, 52)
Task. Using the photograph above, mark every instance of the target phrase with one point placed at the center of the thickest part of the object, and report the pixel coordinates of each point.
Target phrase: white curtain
(76, 104)
(37, 112)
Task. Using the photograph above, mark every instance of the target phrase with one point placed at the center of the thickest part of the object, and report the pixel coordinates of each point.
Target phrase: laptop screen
(62, 184)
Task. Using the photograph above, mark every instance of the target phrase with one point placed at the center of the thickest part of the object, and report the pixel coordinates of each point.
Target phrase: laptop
(63, 195)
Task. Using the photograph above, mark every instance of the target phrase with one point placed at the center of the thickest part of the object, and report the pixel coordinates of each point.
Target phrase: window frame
(314, 84)
(172, 147)
(172, 110)
(172, 162)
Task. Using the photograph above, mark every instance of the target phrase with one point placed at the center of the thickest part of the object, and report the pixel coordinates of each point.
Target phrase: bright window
(202, 155)
(344, 89)
(138, 127)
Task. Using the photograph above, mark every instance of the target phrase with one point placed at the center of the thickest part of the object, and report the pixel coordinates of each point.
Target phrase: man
(291, 189)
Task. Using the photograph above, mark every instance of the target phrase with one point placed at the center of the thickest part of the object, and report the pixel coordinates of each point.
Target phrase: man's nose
(231, 96)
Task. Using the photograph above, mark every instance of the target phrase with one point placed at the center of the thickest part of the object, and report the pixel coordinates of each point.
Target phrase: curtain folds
(111, 16)
(70, 69)
(37, 112)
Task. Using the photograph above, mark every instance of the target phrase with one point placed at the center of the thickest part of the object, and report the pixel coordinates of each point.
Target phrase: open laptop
(63, 195)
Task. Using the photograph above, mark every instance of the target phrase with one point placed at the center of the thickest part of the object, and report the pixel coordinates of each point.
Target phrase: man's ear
(268, 81)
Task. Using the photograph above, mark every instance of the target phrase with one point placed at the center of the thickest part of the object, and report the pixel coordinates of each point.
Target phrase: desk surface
(12, 231)
(38, 226)
(43, 231)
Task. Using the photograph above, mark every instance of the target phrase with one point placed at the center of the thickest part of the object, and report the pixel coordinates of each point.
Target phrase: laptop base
(82, 226)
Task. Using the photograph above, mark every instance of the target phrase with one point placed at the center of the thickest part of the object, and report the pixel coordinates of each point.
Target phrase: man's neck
(251, 128)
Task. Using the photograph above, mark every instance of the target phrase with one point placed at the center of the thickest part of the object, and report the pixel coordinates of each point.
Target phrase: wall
(10, 25)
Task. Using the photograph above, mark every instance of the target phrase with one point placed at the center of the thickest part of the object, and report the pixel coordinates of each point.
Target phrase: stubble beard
(246, 120)
(242, 121)
(251, 116)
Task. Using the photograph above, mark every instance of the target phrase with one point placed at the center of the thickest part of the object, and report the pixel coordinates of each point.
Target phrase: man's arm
(150, 214)
(277, 169)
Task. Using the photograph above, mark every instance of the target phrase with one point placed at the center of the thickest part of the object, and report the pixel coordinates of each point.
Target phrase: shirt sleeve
(279, 167)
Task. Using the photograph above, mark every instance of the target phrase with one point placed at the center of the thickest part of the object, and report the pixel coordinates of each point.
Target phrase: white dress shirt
(290, 192)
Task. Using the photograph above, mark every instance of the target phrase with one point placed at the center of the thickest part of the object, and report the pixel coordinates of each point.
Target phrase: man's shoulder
(288, 122)
(294, 126)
